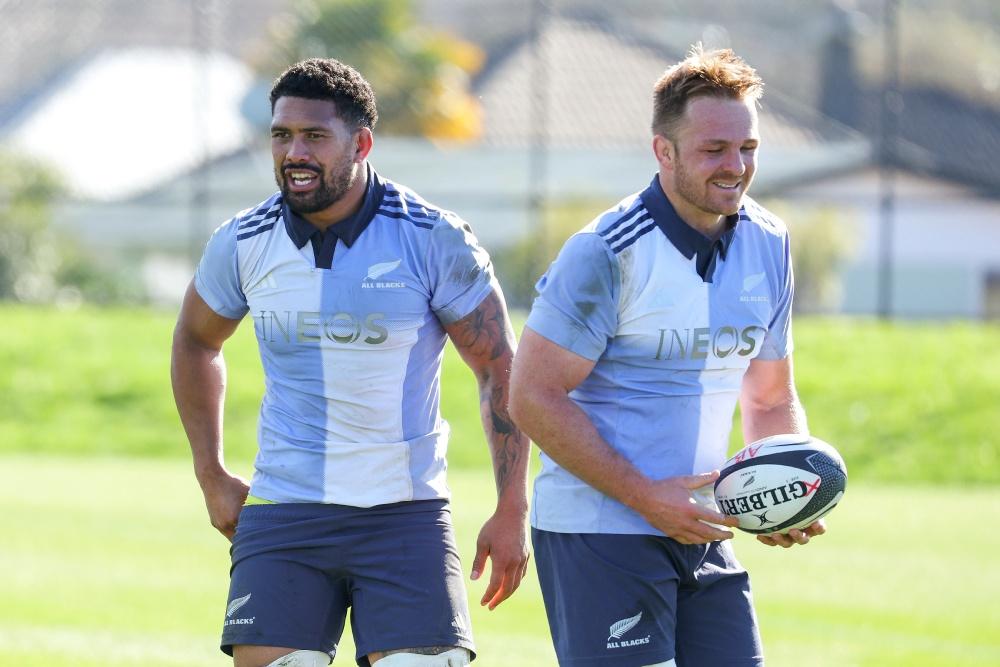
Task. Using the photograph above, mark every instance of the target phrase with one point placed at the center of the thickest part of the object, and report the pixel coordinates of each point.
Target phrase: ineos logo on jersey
(308, 327)
(702, 342)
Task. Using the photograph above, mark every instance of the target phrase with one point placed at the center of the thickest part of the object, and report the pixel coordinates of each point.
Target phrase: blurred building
(154, 113)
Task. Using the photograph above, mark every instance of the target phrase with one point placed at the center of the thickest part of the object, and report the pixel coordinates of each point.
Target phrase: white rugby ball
(782, 482)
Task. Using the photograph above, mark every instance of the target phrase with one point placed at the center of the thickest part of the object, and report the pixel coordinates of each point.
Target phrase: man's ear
(363, 144)
(664, 151)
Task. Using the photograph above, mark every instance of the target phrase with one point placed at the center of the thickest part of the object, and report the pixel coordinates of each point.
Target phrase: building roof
(125, 120)
(946, 136)
(596, 85)
(40, 38)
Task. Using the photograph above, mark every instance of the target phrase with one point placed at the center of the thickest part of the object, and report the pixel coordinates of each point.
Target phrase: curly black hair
(329, 79)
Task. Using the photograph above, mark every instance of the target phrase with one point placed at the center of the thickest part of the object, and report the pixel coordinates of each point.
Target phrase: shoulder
(401, 203)
(623, 225)
(759, 218)
(425, 221)
(609, 233)
(255, 220)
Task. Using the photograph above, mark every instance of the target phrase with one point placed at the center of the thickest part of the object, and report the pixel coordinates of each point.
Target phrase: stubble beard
(332, 188)
(697, 194)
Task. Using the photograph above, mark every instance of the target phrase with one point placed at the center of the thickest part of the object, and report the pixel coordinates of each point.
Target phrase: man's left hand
(504, 539)
(794, 536)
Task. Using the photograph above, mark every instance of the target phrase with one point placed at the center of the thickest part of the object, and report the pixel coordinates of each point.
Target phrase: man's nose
(734, 162)
(298, 151)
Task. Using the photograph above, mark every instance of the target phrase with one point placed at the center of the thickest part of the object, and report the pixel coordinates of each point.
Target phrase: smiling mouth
(301, 178)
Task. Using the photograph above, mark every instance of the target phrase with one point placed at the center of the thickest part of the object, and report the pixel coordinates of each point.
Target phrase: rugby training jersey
(351, 353)
(672, 320)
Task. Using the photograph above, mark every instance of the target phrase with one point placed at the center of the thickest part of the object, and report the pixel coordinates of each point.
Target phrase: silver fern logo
(623, 626)
(378, 270)
(237, 604)
(752, 281)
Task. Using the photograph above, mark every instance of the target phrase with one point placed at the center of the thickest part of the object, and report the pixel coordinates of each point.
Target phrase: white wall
(946, 238)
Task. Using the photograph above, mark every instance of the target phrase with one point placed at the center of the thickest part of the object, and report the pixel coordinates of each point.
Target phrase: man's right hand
(670, 506)
(225, 494)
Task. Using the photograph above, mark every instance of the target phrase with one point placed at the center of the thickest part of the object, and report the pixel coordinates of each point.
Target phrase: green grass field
(902, 402)
(112, 562)
(107, 558)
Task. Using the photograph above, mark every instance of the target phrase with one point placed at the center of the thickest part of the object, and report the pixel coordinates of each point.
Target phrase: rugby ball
(780, 483)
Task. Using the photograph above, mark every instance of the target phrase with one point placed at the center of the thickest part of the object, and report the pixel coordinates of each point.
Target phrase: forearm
(509, 447)
(762, 420)
(198, 377)
(564, 432)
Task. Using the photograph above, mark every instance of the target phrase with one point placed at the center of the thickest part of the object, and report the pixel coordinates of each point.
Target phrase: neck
(344, 207)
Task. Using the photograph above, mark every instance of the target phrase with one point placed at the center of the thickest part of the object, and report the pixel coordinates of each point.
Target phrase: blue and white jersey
(672, 320)
(351, 351)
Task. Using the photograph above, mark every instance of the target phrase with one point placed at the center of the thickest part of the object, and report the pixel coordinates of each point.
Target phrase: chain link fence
(526, 117)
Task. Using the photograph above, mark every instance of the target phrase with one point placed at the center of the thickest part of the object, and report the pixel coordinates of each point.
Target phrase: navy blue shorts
(632, 600)
(298, 567)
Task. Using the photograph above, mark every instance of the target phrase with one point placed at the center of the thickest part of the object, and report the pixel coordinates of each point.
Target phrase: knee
(302, 659)
(456, 657)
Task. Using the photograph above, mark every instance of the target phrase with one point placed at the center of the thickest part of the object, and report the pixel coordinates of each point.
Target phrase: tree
(823, 241)
(28, 255)
(420, 76)
(38, 266)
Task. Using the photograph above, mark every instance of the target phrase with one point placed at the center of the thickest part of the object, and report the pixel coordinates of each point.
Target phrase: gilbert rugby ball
(780, 483)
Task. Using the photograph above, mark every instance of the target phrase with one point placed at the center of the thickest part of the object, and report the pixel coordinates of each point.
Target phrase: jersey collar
(689, 241)
(347, 230)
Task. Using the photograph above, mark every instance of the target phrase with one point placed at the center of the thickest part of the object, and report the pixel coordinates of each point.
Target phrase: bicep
(543, 365)
(484, 337)
(199, 325)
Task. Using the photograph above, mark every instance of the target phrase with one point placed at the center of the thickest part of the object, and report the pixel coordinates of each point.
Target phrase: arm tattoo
(505, 440)
(484, 331)
(484, 340)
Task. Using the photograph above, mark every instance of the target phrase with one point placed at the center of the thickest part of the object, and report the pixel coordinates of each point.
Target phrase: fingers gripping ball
(780, 483)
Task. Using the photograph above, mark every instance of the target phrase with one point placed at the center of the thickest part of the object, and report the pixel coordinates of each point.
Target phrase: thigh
(407, 585)
(716, 623)
(610, 599)
(281, 594)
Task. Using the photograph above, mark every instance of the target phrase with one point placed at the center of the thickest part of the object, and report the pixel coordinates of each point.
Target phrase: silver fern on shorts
(624, 625)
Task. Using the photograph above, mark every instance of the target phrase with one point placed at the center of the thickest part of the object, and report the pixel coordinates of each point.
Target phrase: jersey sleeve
(778, 338)
(577, 303)
(460, 270)
(217, 277)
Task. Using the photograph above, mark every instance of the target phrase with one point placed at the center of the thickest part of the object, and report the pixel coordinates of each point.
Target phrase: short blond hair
(718, 73)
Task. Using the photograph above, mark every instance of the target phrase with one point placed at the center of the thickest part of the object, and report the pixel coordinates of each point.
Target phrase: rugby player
(353, 284)
(649, 326)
